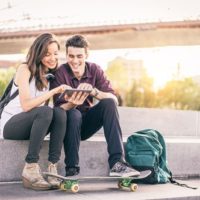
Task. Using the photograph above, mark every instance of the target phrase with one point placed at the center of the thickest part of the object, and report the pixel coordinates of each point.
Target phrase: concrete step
(181, 130)
(182, 153)
(104, 190)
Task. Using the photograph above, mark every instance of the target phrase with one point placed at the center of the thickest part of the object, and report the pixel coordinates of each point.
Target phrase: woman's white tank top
(14, 106)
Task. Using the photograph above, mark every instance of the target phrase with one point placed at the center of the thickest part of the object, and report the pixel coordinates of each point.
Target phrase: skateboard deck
(72, 183)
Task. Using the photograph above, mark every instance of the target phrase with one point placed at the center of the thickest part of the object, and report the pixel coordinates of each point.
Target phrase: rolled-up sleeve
(102, 83)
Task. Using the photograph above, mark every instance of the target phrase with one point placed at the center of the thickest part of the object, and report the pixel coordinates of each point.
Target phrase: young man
(84, 118)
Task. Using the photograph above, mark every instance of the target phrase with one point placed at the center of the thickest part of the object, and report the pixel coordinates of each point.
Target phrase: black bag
(6, 97)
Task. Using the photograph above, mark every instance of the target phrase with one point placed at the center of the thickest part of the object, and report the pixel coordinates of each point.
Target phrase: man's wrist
(96, 92)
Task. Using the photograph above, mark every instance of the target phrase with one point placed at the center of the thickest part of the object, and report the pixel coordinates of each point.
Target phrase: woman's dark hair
(35, 55)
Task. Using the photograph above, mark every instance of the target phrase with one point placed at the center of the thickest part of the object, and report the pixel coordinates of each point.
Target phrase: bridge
(16, 38)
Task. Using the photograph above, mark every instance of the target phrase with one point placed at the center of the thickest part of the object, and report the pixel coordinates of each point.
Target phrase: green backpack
(146, 150)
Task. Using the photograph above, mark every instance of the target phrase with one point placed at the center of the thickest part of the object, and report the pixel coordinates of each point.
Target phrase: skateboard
(72, 183)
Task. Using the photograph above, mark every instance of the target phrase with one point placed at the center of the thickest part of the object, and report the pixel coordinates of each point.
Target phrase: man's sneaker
(72, 171)
(122, 169)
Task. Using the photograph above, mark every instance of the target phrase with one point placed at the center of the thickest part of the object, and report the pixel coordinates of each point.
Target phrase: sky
(137, 10)
(92, 11)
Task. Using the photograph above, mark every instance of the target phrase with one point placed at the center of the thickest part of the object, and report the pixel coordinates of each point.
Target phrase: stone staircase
(180, 129)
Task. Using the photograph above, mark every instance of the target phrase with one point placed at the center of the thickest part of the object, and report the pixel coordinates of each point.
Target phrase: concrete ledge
(183, 157)
(93, 158)
(168, 122)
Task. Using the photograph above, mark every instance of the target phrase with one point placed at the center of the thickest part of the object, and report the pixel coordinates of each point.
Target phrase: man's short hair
(77, 41)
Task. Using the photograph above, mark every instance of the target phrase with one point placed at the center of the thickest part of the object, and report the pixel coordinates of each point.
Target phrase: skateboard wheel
(133, 187)
(120, 186)
(75, 188)
(62, 187)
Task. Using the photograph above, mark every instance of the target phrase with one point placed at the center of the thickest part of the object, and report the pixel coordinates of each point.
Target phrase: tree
(118, 74)
(5, 76)
(180, 94)
(142, 94)
(123, 73)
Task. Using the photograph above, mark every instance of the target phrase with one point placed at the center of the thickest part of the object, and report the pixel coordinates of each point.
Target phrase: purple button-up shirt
(93, 75)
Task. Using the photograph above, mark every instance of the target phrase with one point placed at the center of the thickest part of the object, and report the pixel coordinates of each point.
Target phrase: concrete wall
(168, 122)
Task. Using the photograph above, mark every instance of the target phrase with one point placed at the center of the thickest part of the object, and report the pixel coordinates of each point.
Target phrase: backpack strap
(6, 99)
(7, 90)
(180, 184)
(9, 97)
(14, 95)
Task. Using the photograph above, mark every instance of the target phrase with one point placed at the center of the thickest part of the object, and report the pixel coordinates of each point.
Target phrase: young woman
(27, 117)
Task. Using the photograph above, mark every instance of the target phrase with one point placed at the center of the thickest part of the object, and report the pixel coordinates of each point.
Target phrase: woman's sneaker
(54, 182)
(32, 177)
(122, 169)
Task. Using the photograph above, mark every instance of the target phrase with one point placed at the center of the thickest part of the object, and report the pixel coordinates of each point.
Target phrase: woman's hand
(60, 89)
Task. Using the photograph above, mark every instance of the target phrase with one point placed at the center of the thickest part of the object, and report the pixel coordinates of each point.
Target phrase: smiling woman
(29, 108)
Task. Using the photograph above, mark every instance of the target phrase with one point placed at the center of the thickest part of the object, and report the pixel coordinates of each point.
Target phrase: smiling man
(83, 117)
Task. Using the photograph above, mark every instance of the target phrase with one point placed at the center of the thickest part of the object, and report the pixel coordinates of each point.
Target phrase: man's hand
(85, 86)
(78, 98)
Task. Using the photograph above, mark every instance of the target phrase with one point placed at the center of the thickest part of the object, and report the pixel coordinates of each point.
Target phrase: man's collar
(87, 73)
